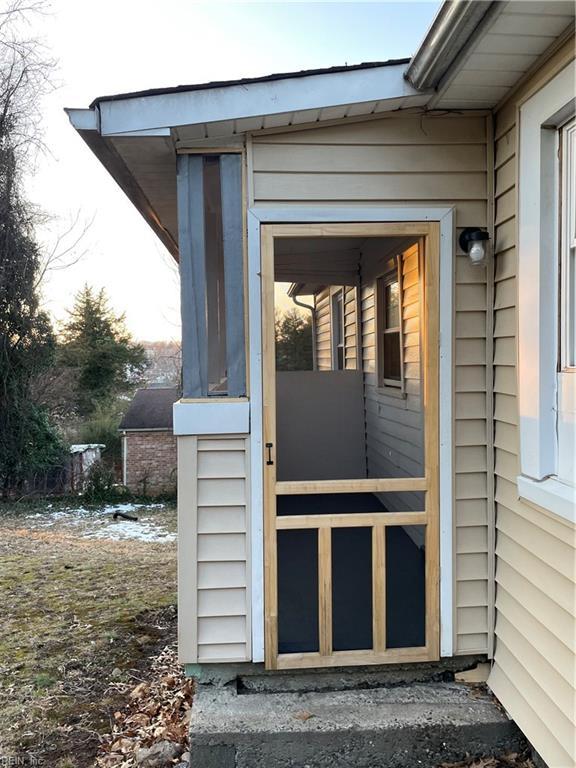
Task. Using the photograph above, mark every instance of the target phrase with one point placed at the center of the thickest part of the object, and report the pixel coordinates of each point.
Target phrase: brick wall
(151, 462)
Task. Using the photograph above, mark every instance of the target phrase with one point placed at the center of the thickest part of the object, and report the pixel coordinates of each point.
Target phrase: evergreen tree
(97, 344)
(28, 442)
(293, 342)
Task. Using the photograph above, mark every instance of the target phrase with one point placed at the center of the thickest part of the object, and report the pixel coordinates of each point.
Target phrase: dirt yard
(88, 669)
(86, 601)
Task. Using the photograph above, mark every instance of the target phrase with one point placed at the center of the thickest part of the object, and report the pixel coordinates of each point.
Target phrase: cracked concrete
(420, 724)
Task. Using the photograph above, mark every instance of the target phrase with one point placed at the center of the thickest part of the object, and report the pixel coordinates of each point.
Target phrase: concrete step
(350, 678)
(410, 726)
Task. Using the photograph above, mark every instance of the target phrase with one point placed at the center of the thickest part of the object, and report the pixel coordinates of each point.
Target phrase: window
(389, 330)
(338, 331)
(546, 297)
(568, 247)
(567, 304)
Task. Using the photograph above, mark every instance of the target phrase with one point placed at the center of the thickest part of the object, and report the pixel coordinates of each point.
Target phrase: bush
(100, 484)
(102, 427)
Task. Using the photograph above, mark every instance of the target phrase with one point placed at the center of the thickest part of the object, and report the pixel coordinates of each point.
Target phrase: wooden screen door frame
(429, 235)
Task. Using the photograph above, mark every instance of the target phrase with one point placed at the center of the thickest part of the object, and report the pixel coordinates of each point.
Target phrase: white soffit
(498, 59)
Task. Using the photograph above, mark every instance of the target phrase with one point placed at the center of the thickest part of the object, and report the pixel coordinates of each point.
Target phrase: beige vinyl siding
(400, 161)
(213, 583)
(394, 427)
(534, 673)
(324, 328)
(323, 331)
(351, 328)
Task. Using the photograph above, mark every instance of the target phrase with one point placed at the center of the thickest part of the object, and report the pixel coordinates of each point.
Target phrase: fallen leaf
(303, 715)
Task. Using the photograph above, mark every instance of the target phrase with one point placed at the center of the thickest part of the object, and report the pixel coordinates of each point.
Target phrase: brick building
(148, 444)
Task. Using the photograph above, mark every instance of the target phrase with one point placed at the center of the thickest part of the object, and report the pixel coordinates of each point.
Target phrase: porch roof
(474, 55)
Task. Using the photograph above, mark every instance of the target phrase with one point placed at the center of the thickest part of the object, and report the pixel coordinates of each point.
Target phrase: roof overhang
(477, 52)
(459, 66)
(136, 136)
(454, 25)
(238, 106)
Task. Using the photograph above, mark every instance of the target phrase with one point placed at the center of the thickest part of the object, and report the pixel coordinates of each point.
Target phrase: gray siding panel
(231, 186)
(192, 274)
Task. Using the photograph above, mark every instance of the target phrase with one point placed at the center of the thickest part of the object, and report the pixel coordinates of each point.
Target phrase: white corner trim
(212, 418)
(537, 274)
(446, 454)
(256, 439)
(334, 214)
(551, 495)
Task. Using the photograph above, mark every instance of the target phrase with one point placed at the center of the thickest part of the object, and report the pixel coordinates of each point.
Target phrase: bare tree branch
(64, 251)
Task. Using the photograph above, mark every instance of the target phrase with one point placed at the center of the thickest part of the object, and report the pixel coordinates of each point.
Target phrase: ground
(84, 607)
(88, 670)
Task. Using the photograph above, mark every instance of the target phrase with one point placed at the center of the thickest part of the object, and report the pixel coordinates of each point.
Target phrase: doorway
(351, 445)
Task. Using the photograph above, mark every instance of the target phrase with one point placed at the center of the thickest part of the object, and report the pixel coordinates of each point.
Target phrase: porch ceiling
(312, 263)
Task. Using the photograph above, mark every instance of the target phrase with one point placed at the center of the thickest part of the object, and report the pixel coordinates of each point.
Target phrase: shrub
(102, 427)
(100, 484)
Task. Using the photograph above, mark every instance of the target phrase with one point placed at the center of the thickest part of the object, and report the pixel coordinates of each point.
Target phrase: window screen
(338, 343)
(389, 330)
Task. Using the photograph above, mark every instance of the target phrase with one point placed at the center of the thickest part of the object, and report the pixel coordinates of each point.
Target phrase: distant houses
(148, 443)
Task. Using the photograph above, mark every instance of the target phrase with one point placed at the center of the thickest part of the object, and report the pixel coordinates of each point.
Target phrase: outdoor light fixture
(474, 242)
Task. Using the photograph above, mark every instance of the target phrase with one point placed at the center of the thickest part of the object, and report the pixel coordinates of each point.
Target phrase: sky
(127, 45)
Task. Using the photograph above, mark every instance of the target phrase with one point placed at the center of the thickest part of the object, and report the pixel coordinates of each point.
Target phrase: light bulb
(477, 253)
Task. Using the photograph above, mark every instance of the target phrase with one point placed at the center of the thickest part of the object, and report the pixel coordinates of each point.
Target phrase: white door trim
(299, 215)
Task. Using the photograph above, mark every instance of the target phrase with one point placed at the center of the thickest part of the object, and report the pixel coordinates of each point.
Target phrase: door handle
(269, 460)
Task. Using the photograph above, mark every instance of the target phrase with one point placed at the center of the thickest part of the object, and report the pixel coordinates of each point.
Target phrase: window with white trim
(568, 247)
(338, 331)
(389, 330)
(546, 297)
(566, 394)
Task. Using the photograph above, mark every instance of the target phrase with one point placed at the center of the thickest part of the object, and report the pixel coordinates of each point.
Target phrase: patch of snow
(126, 529)
(98, 523)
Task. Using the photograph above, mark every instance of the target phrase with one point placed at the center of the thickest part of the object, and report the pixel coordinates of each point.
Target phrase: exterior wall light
(474, 242)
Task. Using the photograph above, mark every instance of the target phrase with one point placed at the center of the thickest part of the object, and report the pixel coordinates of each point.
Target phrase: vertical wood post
(191, 243)
(379, 588)
(325, 590)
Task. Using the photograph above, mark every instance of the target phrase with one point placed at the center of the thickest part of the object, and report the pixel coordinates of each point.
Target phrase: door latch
(269, 447)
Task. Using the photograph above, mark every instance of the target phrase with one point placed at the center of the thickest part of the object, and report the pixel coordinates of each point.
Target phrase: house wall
(213, 581)
(394, 424)
(150, 461)
(426, 160)
(534, 673)
(324, 328)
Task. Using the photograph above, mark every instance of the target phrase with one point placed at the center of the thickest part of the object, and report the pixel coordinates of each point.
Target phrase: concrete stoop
(410, 726)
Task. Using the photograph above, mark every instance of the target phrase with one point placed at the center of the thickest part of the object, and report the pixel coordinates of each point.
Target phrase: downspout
(490, 450)
(313, 311)
(124, 458)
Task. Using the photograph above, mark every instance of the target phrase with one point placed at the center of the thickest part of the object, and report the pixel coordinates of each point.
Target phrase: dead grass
(81, 620)
(77, 615)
